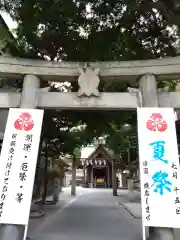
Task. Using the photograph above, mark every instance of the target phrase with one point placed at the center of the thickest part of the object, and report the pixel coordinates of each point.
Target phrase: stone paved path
(95, 215)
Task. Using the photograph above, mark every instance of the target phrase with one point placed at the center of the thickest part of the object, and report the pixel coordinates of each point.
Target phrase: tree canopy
(93, 30)
(102, 30)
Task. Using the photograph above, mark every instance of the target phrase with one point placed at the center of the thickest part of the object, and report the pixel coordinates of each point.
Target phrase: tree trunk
(131, 172)
(61, 184)
(114, 180)
(45, 181)
(130, 179)
(37, 182)
(73, 187)
(56, 190)
(130, 184)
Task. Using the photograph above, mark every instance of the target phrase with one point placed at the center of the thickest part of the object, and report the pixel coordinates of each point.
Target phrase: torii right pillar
(148, 89)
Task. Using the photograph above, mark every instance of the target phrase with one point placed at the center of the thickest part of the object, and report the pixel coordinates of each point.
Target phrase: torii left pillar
(28, 100)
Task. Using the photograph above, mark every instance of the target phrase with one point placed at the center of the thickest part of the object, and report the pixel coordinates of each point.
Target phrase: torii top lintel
(166, 68)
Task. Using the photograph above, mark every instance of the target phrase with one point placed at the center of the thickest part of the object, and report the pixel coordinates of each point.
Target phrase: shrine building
(98, 168)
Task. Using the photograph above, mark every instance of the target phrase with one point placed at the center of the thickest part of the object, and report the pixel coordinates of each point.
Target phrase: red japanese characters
(156, 123)
(24, 122)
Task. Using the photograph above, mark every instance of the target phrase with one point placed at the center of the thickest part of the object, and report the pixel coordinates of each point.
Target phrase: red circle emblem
(156, 123)
(24, 122)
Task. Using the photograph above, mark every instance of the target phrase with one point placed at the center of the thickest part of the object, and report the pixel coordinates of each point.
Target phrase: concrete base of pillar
(90, 185)
(160, 233)
(9, 232)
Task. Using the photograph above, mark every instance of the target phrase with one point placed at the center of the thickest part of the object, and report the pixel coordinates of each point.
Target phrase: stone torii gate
(88, 97)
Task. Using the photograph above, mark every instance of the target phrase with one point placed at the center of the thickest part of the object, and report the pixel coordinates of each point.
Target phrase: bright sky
(85, 152)
(11, 24)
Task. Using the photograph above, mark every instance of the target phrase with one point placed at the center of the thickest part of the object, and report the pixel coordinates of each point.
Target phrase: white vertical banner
(18, 164)
(159, 167)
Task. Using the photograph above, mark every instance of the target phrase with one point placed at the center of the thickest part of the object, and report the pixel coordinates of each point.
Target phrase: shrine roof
(100, 150)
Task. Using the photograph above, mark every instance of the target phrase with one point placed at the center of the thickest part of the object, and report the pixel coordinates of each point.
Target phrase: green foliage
(170, 85)
(114, 30)
(111, 30)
